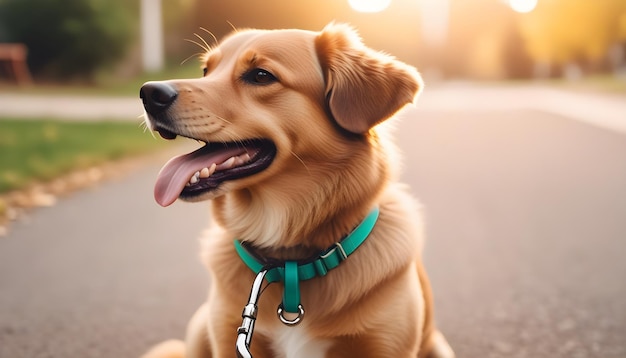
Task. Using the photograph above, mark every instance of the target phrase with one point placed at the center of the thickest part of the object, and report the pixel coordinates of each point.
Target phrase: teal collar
(292, 272)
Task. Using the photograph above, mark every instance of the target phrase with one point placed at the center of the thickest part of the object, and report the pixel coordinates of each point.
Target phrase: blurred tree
(395, 30)
(177, 25)
(483, 41)
(558, 32)
(68, 38)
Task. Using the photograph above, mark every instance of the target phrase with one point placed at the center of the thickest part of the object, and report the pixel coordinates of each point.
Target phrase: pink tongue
(176, 173)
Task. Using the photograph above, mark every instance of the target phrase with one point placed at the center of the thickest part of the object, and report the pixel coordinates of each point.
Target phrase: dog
(297, 153)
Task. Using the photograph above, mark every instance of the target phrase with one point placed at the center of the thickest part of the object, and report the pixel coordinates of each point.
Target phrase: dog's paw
(438, 347)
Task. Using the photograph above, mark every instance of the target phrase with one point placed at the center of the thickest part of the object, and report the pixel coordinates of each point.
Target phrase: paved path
(104, 273)
(527, 239)
(603, 110)
(526, 229)
(70, 107)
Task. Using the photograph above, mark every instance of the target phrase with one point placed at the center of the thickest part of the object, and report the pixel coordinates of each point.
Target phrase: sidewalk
(70, 107)
(603, 110)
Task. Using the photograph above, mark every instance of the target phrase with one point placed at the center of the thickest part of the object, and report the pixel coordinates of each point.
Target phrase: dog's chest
(295, 342)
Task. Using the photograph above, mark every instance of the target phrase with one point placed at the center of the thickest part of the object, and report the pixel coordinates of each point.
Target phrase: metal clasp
(244, 333)
(280, 312)
(337, 247)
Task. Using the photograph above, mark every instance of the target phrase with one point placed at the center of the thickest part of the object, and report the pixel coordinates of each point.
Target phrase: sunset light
(369, 5)
(523, 6)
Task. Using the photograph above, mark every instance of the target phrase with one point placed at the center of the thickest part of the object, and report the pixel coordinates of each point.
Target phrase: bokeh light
(369, 5)
(523, 6)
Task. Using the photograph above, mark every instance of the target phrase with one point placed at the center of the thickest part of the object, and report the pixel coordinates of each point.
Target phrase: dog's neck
(270, 230)
(289, 227)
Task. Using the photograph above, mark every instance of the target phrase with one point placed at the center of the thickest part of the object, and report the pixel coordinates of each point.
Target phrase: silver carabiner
(244, 333)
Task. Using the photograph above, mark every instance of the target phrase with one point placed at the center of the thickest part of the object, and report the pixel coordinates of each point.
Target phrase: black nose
(157, 96)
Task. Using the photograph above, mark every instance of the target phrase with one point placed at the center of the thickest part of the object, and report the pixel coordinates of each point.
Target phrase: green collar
(292, 272)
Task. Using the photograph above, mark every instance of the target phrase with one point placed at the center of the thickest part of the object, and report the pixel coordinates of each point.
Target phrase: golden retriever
(295, 157)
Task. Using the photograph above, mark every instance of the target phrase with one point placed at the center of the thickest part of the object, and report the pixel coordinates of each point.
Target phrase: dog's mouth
(191, 175)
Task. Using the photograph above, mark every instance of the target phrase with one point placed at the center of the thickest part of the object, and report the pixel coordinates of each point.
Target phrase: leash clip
(244, 333)
(288, 322)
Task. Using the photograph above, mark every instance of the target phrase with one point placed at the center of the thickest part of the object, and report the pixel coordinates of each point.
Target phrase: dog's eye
(205, 70)
(259, 76)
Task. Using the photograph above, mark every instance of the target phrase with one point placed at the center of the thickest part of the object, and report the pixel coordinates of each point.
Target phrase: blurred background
(516, 148)
(77, 40)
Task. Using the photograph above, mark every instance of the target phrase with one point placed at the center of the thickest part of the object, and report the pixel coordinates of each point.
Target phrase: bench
(13, 57)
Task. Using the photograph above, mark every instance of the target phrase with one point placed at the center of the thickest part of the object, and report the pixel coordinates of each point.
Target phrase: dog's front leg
(197, 339)
(221, 326)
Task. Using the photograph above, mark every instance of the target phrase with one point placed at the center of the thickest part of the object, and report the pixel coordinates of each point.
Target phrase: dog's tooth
(205, 173)
(242, 159)
(194, 179)
(227, 164)
(212, 169)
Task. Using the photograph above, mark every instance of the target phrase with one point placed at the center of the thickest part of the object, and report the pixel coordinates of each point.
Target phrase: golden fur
(334, 162)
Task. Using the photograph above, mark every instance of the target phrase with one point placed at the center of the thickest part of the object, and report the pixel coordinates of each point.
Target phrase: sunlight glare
(369, 5)
(523, 6)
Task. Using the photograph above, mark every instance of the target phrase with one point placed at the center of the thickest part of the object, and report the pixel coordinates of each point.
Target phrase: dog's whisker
(208, 47)
(234, 137)
(210, 33)
(192, 56)
(232, 26)
(223, 119)
(143, 124)
(146, 129)
(199, 44)
(301, 161)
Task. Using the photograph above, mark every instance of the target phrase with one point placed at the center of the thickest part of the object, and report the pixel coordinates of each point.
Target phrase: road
(527, 236)
(525, 208)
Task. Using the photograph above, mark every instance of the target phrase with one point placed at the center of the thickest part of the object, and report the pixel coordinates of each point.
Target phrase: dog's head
(291, 110)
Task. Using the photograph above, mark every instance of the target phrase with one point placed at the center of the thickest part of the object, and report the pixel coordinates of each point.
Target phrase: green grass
(111, 85)
(42, 149)
(601, 83)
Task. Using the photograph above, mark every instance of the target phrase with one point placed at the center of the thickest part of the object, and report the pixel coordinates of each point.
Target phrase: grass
(601, 83)
(111, 85)
(41, 149)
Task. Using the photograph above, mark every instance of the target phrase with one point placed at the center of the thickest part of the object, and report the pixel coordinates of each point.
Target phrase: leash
(291, 273)
(244, 333)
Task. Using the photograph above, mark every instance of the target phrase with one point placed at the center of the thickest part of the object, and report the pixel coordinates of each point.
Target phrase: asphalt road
(527, 232)
(526, 244)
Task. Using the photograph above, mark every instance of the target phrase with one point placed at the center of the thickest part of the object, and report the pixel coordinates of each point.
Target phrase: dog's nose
(157, 96)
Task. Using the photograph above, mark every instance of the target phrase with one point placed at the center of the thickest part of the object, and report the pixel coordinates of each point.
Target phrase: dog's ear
(363, 87)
